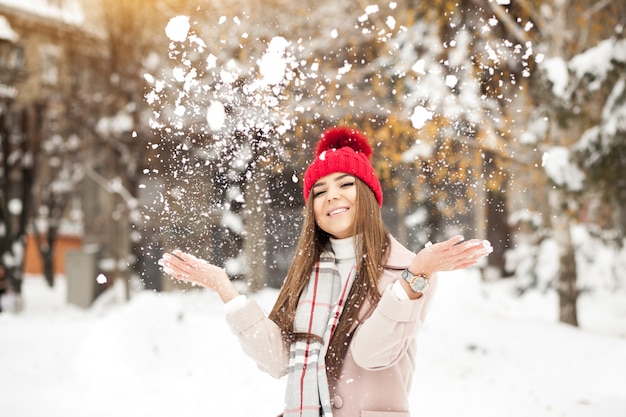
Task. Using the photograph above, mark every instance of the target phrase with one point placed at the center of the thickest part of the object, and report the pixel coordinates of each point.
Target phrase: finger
(185, 257)
(466, 249)
(454, 249)
(172, 261)
(453, 241)
(176, 253)
(444, 246)
(487, 247)
(466, 264)
(175, 266)
(482, 248)
(191, 260)
(184, 260)
(467, 253)
(171, 271)
(475, 253)
(471, 246)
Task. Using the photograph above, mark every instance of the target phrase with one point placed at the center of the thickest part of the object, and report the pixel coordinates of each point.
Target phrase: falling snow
(178, 28)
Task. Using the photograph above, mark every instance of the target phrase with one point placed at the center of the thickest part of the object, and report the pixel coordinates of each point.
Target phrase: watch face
(419, 284)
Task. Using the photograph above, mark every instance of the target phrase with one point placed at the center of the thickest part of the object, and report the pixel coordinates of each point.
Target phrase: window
(50, 64)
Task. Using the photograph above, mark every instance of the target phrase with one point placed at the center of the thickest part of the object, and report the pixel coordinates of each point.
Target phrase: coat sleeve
(260, 338)
(384, 337)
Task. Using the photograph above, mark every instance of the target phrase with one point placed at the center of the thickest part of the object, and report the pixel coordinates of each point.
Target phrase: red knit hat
(342, 149)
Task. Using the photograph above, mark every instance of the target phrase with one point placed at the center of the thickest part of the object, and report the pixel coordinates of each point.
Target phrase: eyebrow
(339, 178)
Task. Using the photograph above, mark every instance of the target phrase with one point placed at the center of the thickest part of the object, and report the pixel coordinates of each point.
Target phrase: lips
(337, 210)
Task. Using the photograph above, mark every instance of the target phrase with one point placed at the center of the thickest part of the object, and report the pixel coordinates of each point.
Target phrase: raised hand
(450, 255)
(186, 267)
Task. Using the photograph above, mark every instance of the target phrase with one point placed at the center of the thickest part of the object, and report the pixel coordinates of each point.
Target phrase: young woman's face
(334, 204)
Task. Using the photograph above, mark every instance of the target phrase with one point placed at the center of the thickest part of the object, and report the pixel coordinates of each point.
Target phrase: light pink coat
(378, 369)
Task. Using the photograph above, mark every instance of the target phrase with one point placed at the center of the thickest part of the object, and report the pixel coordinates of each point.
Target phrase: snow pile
(168, 354)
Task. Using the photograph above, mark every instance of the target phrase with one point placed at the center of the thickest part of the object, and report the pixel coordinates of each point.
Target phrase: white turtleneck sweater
(345, 256)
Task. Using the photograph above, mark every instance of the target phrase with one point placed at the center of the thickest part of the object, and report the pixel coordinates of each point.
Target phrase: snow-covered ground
(483, 352)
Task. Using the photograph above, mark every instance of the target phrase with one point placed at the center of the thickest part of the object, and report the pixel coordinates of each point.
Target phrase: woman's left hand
(450, 255)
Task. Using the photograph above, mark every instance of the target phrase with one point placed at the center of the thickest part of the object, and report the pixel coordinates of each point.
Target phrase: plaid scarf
(318, 312)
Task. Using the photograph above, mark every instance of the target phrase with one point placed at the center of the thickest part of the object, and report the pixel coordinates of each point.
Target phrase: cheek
(317, 211)
(352, 196)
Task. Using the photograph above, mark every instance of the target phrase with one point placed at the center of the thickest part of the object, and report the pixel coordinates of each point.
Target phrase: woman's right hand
(188, 268)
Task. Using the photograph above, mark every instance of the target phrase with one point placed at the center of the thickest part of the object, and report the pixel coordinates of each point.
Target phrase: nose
(332, 193)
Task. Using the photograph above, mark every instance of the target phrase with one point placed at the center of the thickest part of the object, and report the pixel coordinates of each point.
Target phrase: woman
(344, 325)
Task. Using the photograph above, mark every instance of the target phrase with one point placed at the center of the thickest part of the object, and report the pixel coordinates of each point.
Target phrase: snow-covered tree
(576, 95)
(437, 86)
(598, 75)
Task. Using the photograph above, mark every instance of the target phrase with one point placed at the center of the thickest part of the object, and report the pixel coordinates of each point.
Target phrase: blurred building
(51, 86)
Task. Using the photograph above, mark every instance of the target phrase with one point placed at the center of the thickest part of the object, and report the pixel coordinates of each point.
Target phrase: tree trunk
(566, 288)
(566, 281)
(47, 259)
(254, 239)
(403, 200)
(46, 251)
(498, 231)
(622, 212)
(121, 245)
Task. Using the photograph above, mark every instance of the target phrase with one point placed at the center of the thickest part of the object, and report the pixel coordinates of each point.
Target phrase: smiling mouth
(337, 211)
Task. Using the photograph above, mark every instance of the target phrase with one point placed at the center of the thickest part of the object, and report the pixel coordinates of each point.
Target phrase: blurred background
(131, 127)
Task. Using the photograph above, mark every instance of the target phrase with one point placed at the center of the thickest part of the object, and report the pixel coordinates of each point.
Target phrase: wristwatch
(418, 283)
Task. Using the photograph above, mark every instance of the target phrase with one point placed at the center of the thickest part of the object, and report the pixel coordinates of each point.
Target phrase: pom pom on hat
(339, 137)
(342, 149)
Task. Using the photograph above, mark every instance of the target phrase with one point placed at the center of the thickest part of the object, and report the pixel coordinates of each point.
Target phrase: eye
(347, 184)
(318, 193)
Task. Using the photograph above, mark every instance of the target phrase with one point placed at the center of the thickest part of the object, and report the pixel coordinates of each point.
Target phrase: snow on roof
(68, 11)
(6, 31)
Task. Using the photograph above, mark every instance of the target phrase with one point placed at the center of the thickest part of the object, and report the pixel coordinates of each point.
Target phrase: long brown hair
(372, 249)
